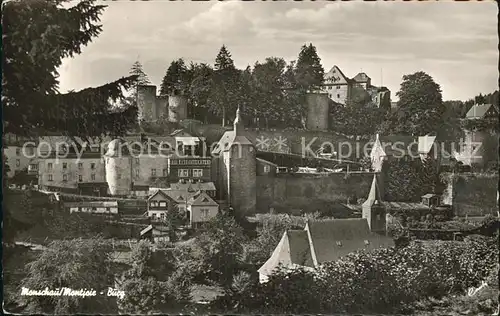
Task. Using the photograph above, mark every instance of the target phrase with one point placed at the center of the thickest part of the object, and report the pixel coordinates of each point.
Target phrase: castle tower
(118, 168)
(317, 111)
(373, 208)
(242, 166)
(177, 108)
(146, 103)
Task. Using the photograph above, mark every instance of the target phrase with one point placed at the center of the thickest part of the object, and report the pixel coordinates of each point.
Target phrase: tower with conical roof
(374, 209)
(236, 168)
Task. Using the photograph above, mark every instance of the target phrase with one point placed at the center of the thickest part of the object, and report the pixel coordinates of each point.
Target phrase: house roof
(92, 204)
(292, 251)
(398, 144)
(266, 162)
(180, 196)
(201, 198)
(197, 186)
(479, 111)
(147, 229)
(361, 77)
(335, 72)
(229, 139)
(374, 196)
(429, 195)
(162, 193)
(336, 238)
(425, 144)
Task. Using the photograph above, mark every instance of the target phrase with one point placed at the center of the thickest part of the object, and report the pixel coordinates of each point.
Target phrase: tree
(37, 35)
(177, 79)
(420, 106)
(200, 89)
(142, 77)
(174, 220)
(309, 72)
(75, 264)
(224, 90)
(152, 284)
(219, 249)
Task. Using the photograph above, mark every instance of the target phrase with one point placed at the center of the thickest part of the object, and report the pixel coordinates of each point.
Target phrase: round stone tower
(146, 103)
(317, 111)
(118, 168)
(177, 108)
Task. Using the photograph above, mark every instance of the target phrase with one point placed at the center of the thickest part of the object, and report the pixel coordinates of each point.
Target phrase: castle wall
(317, 111)
(472, 194)
(177, 108)
(146, 103)
(161, 107)
(332, 187)
(118, 175)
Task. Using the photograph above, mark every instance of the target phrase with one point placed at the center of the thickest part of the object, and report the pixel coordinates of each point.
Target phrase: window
(137, 173)
(153, 203)
(153, 172)
(163, 204)
(183, 172)
(339, 243)
(80, 165)
(65, 165)
(136, 161)
(18, 162)
(165, 172)
(119, 176)
(338, 95)
(338, 87)
(330, 88)
(92, 177)
(267, 168)
(378, 217)
(18, 151)
(94, 209)
(197, 173)
(92, 166)
(108, 209)
(50, 177)
(162, 216)
(49, 166)
(80, 178)
(204, 212)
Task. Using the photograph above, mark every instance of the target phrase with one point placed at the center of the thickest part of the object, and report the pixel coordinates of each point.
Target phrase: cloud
(448, 39)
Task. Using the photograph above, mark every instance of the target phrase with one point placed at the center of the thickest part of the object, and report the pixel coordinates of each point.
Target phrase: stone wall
(472, 194)
(317, 111)
(338, 187)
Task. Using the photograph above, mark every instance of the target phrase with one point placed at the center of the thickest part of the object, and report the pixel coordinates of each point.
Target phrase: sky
(454, 42)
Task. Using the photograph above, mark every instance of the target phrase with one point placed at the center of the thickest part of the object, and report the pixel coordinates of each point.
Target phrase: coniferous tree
(34, 45)
(176, 80)
(309, 72)
(224, 85)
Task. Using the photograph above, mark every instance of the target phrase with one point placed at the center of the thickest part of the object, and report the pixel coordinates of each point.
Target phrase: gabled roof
(479, 111)
(202, 199)
(162, 193)
(425, 144)
(335, 75)
(397, 144)
(336, 238)
(292, 251)
(197, 186)
(179, 196)
(374, 197)
(361, 78)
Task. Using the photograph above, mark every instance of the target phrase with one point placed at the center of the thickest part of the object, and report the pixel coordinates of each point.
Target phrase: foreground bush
(384, 281)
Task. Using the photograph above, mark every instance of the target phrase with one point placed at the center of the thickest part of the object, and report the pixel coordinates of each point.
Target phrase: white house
(201, 208)
(94, 207)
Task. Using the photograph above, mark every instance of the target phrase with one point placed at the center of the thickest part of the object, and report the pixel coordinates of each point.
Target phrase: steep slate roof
(425, 144)
(233, 137)
(394, 144)
(479, 111)
(374, 197)
(336, 238)
(292, 251)
(202, 199)
(199, 186)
